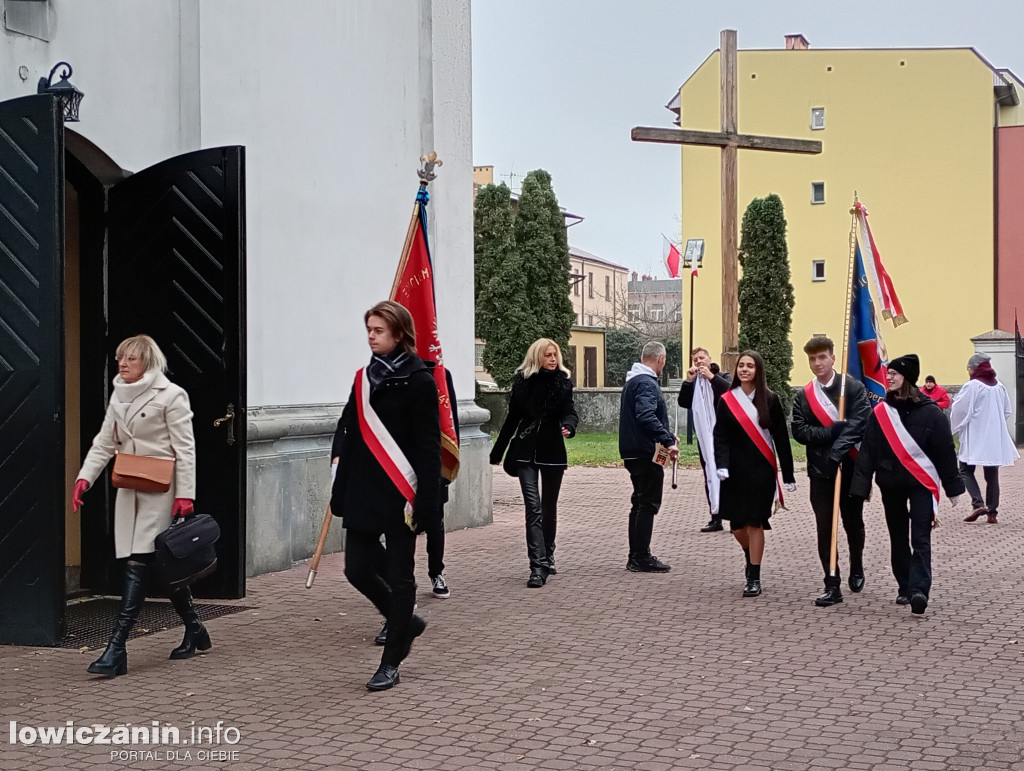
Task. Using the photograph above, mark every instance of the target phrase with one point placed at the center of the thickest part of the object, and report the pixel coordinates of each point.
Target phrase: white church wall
(334, 102)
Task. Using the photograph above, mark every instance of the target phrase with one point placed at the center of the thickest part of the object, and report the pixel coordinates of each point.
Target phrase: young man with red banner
(908, 448)
(831, 445)
(388, 446)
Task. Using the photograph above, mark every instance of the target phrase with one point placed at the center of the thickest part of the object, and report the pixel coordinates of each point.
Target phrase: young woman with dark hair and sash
(908, 448)
(749, 421)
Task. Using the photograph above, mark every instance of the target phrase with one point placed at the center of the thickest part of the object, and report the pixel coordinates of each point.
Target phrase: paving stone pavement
(600, 669)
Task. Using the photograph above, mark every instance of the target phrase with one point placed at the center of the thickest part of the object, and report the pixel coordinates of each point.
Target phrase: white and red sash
(908, 451)
(746, 415)
(380, 442)
(824, 410)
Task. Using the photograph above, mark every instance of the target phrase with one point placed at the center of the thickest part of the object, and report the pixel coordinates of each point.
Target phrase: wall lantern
(70, 97)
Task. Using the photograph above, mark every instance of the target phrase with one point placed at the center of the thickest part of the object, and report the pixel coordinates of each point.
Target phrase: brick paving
(600, 669)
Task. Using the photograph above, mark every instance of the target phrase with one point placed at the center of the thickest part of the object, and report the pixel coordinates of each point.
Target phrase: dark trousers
(991, 501)
(435, 546)
(540, 486)
(648, 479)
(910, 509)
(851, 511)
(393, 589)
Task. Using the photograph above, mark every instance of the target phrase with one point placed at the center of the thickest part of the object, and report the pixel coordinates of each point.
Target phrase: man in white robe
(978, 416)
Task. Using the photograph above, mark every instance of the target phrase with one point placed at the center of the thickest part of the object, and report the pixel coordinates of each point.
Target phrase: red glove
(182, 507)
(76, 497)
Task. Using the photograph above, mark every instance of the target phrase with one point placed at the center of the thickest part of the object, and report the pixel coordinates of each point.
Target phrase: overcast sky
(557, 84)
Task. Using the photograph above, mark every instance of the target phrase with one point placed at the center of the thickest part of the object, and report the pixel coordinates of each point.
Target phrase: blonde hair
(146, 349)
(534, 361)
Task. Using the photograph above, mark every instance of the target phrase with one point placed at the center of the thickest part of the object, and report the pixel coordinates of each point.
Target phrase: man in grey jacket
(643, 424)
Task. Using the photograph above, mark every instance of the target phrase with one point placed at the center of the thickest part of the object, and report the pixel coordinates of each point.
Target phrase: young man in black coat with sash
(367, 494)
(832, 444)
(643, 423)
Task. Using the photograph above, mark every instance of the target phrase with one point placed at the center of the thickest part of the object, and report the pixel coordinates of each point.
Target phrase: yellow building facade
(912, 132)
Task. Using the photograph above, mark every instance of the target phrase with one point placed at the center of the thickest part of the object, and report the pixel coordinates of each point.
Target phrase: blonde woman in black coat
(743, 446)
(540, 417)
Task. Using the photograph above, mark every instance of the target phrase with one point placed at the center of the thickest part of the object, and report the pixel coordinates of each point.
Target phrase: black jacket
(748, 492)
(826, 451)
(538, 408)
(363, 495)
(719, 385)
(925, 422)
(643, 418)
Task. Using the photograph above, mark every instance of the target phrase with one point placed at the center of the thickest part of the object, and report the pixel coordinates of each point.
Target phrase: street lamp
(70, 97)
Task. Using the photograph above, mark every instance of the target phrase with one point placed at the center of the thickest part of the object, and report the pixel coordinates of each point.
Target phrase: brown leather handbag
(141, 472)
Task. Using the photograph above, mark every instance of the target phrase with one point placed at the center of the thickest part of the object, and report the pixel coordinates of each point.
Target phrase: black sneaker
(441, 589)
(649, 564)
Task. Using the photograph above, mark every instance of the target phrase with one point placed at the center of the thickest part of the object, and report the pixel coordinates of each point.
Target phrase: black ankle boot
(114, 660)
(753, 586)
(833, 594)
(196, 635)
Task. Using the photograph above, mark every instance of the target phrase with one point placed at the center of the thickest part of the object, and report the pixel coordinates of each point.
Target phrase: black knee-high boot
(114, 660)
(196, 635)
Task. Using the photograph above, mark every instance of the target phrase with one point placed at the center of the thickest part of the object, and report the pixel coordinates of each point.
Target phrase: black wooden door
(31, 371)
(176, 271)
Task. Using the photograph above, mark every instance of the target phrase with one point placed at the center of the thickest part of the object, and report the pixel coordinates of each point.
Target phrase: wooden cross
(730, 141)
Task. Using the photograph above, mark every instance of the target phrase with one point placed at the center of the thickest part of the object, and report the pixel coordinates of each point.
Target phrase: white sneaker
(441, 590)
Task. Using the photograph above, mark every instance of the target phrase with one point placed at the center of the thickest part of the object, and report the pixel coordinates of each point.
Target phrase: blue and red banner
(867, 357)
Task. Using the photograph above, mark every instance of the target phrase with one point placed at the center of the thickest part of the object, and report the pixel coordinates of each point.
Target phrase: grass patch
(603, 450)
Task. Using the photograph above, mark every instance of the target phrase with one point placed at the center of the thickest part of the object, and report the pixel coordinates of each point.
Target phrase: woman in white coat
(979, 415)
(148, 415)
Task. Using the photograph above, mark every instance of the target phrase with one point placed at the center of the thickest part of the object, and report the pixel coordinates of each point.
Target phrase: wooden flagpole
(833, 559)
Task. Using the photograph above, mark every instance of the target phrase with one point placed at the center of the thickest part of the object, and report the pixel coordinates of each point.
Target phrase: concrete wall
(598, 409)
(289, 481)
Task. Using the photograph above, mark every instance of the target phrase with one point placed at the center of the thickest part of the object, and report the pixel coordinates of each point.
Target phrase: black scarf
(382, 366)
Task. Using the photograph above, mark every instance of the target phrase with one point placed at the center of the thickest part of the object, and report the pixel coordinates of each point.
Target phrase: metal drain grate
(89, 623)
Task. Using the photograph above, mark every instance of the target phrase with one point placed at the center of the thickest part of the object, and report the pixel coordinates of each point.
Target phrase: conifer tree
(765, 292)
(503, 316)
(544, 250)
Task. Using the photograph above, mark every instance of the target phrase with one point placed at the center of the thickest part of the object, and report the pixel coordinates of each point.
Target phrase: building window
(478, 359)
(576, 278)
(590, 285)
(657, 312)
(633, 311)
(608, 288)
(817, 118)
(817, 270)
(817, 192)
(590, 320)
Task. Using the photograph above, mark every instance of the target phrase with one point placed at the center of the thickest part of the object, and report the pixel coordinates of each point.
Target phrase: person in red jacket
(936, 393)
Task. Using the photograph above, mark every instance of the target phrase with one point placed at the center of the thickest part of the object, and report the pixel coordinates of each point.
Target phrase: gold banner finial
(429, 161)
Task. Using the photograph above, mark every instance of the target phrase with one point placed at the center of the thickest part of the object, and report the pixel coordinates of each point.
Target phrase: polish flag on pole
(881, 285)
(673, 259)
